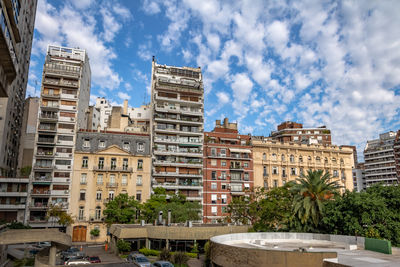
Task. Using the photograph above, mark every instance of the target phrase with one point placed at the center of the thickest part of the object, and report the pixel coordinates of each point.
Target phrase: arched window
(318, 159)
(326, 160)
(265, 171)
(291, 158)
(97, 214)
(264, 156)
(81, 213)
(283, 157)
(301, 158)
(341, 161)
(309, 158)
(273, 156)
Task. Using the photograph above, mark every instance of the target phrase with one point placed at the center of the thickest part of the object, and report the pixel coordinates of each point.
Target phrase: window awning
(239, 150)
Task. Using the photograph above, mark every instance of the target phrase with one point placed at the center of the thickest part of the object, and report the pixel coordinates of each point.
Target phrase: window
(335, 173)
(213, 186)
(223, 199)
(246, 176)
(223, 209)
(213, 162)
(102, 144)
(274, 170)
(138, 195)
(283, 172)
(334, 160)
(301, 171)
(126, 146)
(246, 164)
(295, 138)
(139, 115)
(275, 183)
(113, 163)
(112, 179)
(97, 214)
(283, 158)
(81, 213)
(301, 158)
(264, 156)
(82, 195)
(326, 160)
(86, 143)
(273, 156)
(223, 175)
(85, 162)
(124, 179)
(213, 175)
(223, 186)
(223, 163)
(139, 180)
(213, 199)
(214, 209)
(309, 158)
(291, 158)
(101, 163)
(318, 159)
(236, 188)
(246, 186)
(265, 171)
(140, 165)
(99, 179)
(83, 178)
(293, 171)
(235, 176)
(111, 195)
(98, 195)
(223, 153)
(213, 151)
(140, 147)
(125, 164)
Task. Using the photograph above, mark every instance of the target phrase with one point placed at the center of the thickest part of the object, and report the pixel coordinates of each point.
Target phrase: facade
(227, 169)
(177, 129)
(93, 118)
(64, 101)
(276, 163)
(17, 20)
(379, 159)
(396, 148)
(289, 131)
(140, 118)
(106, 164)
(359, 177)
(104, 106)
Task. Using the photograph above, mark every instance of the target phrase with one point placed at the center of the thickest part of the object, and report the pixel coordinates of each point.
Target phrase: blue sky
(333, 63)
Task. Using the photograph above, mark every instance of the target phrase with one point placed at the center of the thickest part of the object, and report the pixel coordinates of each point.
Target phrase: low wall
(225, 254)
(378, 245)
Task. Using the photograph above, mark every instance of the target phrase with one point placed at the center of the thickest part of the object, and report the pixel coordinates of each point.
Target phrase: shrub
(207, 251)
(195, 248)
(123, 245)
(95, 232)
(149, 252)
(180, 258)
(165, 255)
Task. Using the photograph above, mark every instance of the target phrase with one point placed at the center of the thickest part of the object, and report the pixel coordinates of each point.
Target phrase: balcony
(236, 168)
(61, 72)
(7, 54)
(52, 107)
(65, 131)
(112, 185)
(42, 180)
(48, 117)
(176, 174)
(67, 107)
(180, 185)
(67, 119)
(47, 129)
(62, 167)
(178, 141)
(176, 100)
(61, 180)
(59, 192)
(63, 155)
(45, 153)
(178, 164)
(37, 192)
(52, 96)
(47, 141)
(180, 152)
(112, 169)
(65, 143)
(44, 167)
(38, 206)
(68, 96)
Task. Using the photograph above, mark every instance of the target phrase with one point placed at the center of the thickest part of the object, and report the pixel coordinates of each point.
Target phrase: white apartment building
(177, 97)
(64, 101)
(105, 108)
(379, 159)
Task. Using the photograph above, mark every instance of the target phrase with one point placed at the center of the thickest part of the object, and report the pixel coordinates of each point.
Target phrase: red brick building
(228, 169)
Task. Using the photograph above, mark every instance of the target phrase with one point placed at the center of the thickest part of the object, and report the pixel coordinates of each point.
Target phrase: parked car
(162, 264)
(94, 259)
(77, 262)
(138, 260)
(44, 244)
(72, 252)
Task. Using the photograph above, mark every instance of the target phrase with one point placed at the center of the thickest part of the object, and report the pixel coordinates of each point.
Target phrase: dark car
(139, 260)
(72, 253)
(94, 259)
(162, 264)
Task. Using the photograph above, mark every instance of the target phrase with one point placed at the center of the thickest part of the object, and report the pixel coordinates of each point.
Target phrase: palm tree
(310, 191)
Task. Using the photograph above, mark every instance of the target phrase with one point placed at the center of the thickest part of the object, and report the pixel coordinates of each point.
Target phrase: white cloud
(151, 7)
(223, 98)
(123, 96)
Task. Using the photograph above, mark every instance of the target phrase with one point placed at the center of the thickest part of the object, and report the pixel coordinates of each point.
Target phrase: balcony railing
(112, 169)
(40, 192)
(110, 185)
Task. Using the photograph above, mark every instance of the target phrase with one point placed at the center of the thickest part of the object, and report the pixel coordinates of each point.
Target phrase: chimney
(226, 123)
(125, 111)
(169, 217)
(160, 220)
(217, 122)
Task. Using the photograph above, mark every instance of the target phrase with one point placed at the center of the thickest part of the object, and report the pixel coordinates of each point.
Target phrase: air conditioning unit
(72, 119)
(73, 107)
(68, 167)
(75, 96)
(66, 191)
(67, 179)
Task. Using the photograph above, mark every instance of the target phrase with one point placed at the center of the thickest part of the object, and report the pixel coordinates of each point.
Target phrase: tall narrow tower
(64, 100)
(177, 129)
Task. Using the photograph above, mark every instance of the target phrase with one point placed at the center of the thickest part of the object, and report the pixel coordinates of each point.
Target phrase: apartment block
(289, 131)
(105, 107)
(276, 163)
(380, 165)
(140, 118)
(396, 148)
(227, 169)
(177, 129)
(64, 101)
(17, 20)
(359, 177)
(106, 164)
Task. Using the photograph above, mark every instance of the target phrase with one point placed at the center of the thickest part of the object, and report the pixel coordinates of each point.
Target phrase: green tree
(122, 209)
(310, 192)
(181, 209)
(60, 215)
(123, 246)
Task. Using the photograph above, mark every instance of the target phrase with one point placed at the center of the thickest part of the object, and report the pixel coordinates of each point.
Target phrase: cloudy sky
(333, 63)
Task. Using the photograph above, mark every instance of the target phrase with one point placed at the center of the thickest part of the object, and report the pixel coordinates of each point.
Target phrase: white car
(77, 262)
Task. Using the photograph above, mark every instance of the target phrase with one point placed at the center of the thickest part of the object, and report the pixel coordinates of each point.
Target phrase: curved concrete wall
(225, 254)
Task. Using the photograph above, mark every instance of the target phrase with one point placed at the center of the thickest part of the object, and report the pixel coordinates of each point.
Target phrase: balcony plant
(95, 232)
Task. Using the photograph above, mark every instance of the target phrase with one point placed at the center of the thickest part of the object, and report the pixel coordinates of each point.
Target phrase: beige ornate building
(106, 165)
(276, 163)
